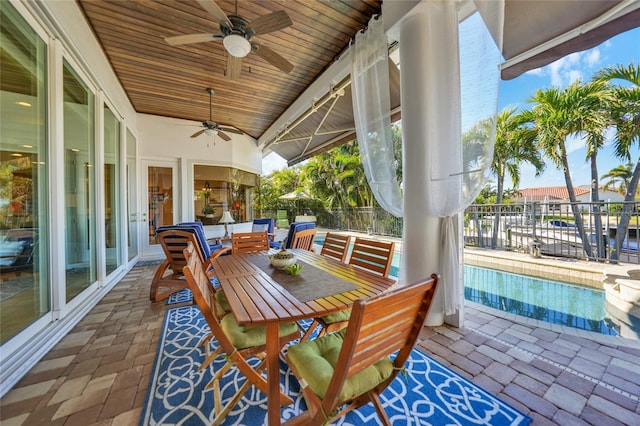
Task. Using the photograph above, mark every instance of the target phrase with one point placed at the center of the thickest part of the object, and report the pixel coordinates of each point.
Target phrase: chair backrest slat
(378, 327)
(373, 255)
(336, 246)
(304, 239)
(249, 242)
(173, 242)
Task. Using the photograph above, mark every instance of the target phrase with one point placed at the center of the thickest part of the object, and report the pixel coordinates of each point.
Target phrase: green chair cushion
(222, 300)
(337, 317)
(246, 337)
(315, 361)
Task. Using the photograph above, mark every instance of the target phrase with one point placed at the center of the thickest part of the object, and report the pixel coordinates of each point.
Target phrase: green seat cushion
(315, 361)
(222, 300)
(337, 317)
(246, 337)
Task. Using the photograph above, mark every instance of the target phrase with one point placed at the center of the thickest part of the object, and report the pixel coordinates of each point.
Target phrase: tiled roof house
(560, 193)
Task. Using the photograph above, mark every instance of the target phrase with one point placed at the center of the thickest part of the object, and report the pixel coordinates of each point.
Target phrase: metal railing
(537, 228)
(372, 220)
(549, 228)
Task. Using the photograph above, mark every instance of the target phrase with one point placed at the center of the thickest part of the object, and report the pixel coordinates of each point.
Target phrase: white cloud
(592, 58)
(536, 71)
(273, 162)
(574, 143)
(574, 75)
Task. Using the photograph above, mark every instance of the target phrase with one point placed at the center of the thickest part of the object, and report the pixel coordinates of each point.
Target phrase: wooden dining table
(258, 294)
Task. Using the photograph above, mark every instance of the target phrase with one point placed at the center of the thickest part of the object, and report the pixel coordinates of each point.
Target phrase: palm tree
(626, 118)
(558, 114)
(592, 117)
(618, 178)
(514, 144)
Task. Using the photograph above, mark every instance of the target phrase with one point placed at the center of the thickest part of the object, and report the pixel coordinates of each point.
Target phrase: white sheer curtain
(460, 141)
(460, 162)
(371, 109)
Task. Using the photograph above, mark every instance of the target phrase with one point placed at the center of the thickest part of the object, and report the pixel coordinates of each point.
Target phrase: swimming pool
(550, 301)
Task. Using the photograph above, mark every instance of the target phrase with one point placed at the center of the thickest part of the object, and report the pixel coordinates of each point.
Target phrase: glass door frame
(154, 251)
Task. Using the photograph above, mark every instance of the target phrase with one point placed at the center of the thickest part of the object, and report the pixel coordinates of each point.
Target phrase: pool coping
(534, 323)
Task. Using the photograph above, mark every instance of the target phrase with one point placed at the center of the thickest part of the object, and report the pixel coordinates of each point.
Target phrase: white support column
(425, 66)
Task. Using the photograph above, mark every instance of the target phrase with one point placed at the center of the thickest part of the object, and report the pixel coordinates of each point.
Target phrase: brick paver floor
(99, 373)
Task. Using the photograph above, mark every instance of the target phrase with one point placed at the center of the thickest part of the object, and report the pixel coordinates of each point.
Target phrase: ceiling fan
(211, 128)
(237, 35)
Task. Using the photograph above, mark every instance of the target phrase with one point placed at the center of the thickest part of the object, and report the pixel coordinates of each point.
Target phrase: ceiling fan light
(211, 132)
(237, 45)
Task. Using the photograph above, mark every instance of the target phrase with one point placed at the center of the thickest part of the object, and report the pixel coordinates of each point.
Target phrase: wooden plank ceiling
(170, 81)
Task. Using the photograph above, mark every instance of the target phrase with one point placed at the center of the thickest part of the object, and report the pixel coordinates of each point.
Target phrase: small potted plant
(207, 210)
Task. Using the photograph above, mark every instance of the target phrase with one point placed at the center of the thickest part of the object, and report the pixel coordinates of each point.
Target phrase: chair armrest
(220, 252)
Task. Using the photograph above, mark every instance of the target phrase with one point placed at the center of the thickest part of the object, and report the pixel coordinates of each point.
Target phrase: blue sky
(622, 49)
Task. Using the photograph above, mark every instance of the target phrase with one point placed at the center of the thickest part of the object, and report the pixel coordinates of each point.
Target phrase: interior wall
(162, 137)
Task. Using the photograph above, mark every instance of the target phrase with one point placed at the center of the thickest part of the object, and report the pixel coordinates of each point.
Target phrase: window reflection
(79, 183)
(160, 197)
(24, 270)
(218, 189)
(112, 198)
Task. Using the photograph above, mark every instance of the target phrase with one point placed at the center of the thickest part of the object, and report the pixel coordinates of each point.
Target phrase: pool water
(550, 301)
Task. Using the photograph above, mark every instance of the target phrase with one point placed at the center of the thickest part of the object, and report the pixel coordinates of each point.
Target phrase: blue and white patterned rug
(181, 296)
(430, 394)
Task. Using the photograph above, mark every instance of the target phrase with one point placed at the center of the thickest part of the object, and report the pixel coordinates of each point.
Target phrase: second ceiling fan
(211, 128)
(237, 37)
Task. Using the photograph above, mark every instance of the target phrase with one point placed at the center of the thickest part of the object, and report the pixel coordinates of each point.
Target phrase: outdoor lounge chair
(174, 240)
(374, 256)
(294, 228)
(336, 246)
(283, 221)
(238, 343)
(266, 224)
(363, 368)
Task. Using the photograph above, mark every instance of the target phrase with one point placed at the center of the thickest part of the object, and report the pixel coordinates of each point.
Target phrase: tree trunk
(496, 219)
(574, 207)
(625, 216)
(595, 200)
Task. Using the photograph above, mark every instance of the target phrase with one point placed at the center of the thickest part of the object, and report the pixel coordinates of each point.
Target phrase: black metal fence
(537, 228)
(372, 220)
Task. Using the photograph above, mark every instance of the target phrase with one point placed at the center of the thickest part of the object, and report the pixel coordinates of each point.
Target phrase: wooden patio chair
(336, 246)
(372, 255)
(363, 369)
(249, 242)
(304, 239)
(237, 342)
(174, 240)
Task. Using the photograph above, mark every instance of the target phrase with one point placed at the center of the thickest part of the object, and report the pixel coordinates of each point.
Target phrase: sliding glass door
(79, 184)
(25, 292)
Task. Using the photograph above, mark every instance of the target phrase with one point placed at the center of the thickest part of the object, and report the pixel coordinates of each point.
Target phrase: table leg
(273, 374)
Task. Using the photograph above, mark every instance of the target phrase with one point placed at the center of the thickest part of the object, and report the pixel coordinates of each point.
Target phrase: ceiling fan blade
(274, 58)
(234, 67)
(198, 133)
(214, 10)
(269, 23)
(224, 136)
(189, 38)
(232, 130)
